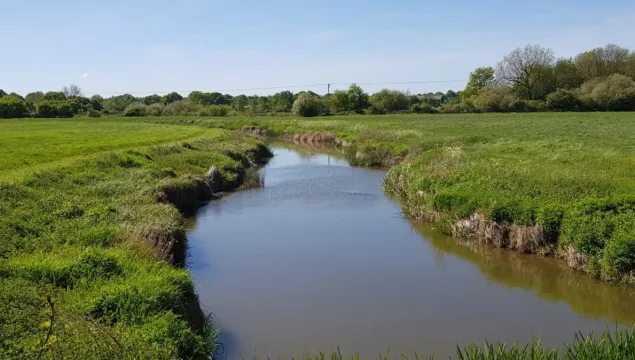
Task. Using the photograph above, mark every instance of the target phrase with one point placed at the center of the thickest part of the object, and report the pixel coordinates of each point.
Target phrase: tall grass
(87, 238)
(617, 345)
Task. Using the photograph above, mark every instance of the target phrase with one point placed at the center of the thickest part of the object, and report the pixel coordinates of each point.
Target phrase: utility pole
(328, 91)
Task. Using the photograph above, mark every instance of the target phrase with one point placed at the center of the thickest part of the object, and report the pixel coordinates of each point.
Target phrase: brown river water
(320, 258)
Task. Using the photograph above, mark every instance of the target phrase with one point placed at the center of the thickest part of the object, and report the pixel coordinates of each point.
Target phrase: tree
(97, 102)
(240, 102)
(12, 107)
(54, 96)
(172, 97)
(389, 101)
(152, 99)
(118, 103)
(2, 93)
(450, 95)
(339, 102)
(357, 99)
(262, 104)
(34, 97)
(566, 75)
(282, 101)
(527, 70)
(72, 91)
(602, 62)
(479, 79)
(308, 105)
(563, 100)
(629, 66)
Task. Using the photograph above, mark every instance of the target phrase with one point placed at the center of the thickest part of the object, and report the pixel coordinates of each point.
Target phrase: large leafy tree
(528, 70)
(358, 100)
(479, 79)
(602, 62)
(566, 75)
(172, 97)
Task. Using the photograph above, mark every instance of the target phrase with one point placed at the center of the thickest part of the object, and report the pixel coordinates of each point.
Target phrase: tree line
(527, 79)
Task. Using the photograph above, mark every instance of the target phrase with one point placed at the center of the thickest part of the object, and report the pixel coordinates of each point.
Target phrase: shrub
(456, 108)
(549, 218)
(135, 110)
(308, 105)
(183, 107)
(389, 101)
(495, 98)
(12, 107)
(155, 109)
(619, 254)
(213, 110)
(592, 223)
(423, 108)
(564, 100)
(93, 113)
(614, 93)
(57, 108)
(535, 105)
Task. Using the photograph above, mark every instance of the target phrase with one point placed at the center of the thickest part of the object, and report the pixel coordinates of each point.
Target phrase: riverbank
(93, 236)
(557, 184)
(85, 204)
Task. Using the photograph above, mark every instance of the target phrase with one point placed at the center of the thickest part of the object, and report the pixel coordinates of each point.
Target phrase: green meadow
(92, 242)
(92, 234)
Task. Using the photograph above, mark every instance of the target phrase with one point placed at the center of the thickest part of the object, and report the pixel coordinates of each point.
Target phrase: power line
(283, 87)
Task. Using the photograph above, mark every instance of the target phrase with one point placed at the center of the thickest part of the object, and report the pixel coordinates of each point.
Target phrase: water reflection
(550, 278)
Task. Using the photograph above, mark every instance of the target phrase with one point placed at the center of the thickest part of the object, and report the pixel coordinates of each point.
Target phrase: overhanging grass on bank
(86, 236)
(568, 175)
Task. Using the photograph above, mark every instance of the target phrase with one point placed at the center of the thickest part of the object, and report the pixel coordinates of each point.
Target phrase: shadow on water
(549, 278)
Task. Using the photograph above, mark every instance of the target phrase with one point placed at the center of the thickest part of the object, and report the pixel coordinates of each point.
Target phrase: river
(320, 258)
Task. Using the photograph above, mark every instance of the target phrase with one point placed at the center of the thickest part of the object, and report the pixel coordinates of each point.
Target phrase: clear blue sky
(141, 46)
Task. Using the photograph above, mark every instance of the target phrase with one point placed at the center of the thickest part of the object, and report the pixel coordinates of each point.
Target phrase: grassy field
(89, 230)
(89, 236)
(536, 182)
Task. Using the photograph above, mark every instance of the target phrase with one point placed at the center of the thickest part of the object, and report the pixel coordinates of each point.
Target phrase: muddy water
(321, 258)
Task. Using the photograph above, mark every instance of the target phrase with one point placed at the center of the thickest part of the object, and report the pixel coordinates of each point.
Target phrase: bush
(57, 108)
(12, 107)
(182, 107)
(564, 100)
(455, 108)
(619, 254)
(389, 101)
(135, 110)
(93, 113)
(308, 105)
(213, 110)
(495, 98)
(614, 93)
(155, 109)
(591, 224)
(423, 108)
